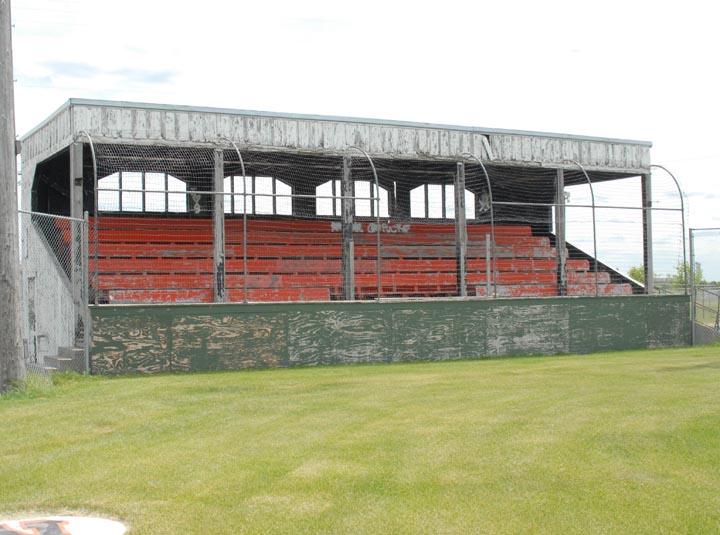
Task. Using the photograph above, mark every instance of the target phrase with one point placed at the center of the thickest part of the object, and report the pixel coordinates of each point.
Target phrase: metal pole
(460, 229)
(96, 216)
(467, 155)
(377, 215)
(86, 279)
(647, 216)
(592, 196)
(12, 363)
(682, 211)
(693, 291)
(242, 169)
(488, 265)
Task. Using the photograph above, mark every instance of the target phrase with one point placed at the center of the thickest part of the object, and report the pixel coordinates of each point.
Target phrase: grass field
(608, 443)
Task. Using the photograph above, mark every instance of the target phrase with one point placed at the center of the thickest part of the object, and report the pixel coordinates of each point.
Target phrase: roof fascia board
(359, 120)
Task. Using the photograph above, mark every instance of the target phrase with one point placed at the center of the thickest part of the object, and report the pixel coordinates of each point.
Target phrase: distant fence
(56, 323)
(705, 284)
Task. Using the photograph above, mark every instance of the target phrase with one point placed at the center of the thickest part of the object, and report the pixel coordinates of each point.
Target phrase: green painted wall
(135, 338)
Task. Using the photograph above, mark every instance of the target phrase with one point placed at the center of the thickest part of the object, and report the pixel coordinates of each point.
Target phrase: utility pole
(12, 365)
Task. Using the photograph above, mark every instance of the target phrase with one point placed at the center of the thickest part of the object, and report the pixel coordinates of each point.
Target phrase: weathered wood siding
(147, 339)
(595, 155)
(143, 125)
(53, 135)
(117, 122)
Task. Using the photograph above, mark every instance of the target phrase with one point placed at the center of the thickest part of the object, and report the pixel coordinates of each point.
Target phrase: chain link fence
(224, 224)
(704, 274)
(56, 324)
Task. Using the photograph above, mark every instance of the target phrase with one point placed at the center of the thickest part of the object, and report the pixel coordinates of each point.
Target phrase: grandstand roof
(143, 123)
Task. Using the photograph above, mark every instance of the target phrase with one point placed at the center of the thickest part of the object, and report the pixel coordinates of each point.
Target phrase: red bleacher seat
(155, 260)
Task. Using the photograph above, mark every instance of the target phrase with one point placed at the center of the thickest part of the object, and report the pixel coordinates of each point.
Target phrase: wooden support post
(560, 232)
(647, 232)
(348, 244)
(460, 230)
(76, 180)
(12, 363)
(76, 241)
(218, 205)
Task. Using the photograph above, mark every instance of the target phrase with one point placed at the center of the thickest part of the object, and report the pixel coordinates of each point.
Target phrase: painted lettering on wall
(372, 228)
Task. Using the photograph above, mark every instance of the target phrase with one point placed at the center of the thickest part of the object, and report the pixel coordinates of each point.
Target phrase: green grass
(610, 443)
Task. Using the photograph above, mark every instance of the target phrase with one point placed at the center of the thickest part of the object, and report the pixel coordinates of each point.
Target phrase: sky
(630, 69)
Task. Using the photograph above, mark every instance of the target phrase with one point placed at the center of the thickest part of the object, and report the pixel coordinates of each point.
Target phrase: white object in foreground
(61, 525)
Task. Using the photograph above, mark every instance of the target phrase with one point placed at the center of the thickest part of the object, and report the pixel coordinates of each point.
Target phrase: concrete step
(67, 359)
(57, 362)
(75, 353)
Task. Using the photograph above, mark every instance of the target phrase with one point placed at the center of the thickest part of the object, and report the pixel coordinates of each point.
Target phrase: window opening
(140, 191)
(437, 201)
(262, 195)
(329, 197)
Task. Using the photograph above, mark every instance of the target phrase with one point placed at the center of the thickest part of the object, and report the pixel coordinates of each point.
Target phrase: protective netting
(620, 216)
(236, 224)
(55, 286)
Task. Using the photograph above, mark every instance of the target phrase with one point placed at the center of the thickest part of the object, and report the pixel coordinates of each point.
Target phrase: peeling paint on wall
(148, 339)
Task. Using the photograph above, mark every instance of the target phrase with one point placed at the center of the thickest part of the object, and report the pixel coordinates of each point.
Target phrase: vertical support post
(693, 290)
(560, 231)
(488, 265)
(76, 180)
(76, 240)
(218, 228)
(12, 363)
(460, 229)
(85, 286)
(647, 232)
(348, 244)
(393, 203)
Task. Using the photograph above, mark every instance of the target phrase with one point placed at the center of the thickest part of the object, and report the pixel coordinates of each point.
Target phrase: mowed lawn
(608, 443)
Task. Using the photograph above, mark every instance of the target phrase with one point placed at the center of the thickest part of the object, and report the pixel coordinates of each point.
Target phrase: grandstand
(189, 205)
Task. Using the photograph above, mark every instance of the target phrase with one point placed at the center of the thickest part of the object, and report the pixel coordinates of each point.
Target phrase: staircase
(68, 359)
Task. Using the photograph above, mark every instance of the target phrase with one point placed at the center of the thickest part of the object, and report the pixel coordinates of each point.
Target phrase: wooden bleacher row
(154, 260)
